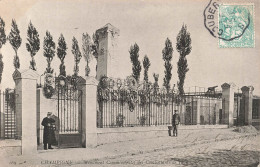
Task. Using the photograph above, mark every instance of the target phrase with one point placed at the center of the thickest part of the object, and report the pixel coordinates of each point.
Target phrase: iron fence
(8, 115)
(124, 108)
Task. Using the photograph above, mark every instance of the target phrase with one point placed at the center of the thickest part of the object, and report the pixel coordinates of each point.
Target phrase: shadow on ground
(222, 158)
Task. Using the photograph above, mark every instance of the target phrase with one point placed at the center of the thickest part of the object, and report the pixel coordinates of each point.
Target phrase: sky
(145, 22)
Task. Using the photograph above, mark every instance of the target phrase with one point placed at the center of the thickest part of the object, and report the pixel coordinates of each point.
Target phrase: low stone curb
(169, 147)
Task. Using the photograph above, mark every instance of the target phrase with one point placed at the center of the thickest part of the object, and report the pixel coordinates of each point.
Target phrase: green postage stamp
(236, 26)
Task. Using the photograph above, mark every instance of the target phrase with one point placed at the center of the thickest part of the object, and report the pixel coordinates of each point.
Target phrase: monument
(107, 59)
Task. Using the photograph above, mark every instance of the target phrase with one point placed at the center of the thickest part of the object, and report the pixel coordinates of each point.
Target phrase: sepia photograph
(123, 83)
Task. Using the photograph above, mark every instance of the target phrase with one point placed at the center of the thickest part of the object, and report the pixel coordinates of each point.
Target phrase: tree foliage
(167, 57)
(146, 65)
(95, 45)
(77, 55)
(48, 50)
(183, 46)
(156, 78)
(61, 53)
(2, 42)
(15, 40)
(33, 44)
(2, 33)
(136, 65)
(1, 66)
(86, 51)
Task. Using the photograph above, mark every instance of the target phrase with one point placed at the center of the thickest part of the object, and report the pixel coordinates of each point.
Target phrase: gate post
(25, 85)
(247, 92)
(88, 85)
(228, 100)
(198, 110)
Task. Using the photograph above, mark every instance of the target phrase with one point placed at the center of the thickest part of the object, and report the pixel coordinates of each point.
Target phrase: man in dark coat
(175, 122)
(48, 133)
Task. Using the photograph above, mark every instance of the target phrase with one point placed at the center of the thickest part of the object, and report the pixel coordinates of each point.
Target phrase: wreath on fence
(131, 105)
(48, 91)
(122, 97)
(49, 79)
(157, 99)
(165, 99)
(131, 100)
(144, 98)
(103, 84)
(131, 83)
(114, 96)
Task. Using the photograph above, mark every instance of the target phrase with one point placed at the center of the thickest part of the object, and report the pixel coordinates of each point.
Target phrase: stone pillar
(25, 85)
(198, 110)
(107, 51)
(228, 103)
(88, 85)
(218, 108)
(247, 98)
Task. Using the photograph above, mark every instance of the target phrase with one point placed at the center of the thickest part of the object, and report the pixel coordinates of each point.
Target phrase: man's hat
(49, 113)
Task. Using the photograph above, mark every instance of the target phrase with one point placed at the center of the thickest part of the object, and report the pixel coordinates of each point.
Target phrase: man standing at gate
(175, 122)
(48, 133)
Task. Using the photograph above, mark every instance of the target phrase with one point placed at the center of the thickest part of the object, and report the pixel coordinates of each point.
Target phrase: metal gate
(191, 113)
(8, 116)
(69, 119)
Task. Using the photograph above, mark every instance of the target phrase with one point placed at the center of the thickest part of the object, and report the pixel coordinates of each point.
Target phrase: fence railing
(8, 115)
(121, 108)
(126, 108)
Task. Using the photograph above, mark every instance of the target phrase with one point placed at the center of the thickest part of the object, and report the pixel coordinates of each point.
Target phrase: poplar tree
(146, 65)
(86, 51)
(61, 53)
(2, 32)
(2, 42)
(77, 55)
(1, 68)
(136, 65)
(156, 78)
(15, 40)
(167, 57)
(95, 46)
(33, 44)
(183, 46)
(48, 50)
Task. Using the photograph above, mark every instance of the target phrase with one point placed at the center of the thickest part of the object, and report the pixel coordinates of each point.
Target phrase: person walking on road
(175, 122)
